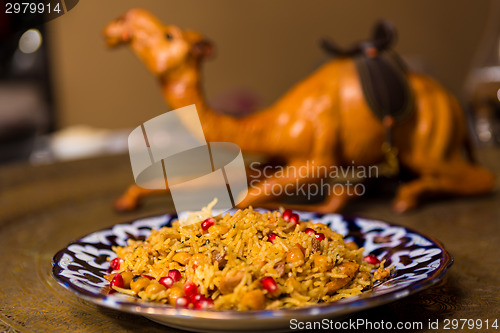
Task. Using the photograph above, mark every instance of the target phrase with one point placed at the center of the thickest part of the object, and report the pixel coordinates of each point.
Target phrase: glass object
(483, 84)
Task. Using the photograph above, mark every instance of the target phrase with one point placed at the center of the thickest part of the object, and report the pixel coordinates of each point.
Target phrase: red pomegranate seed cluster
(287, 214)
(207, 223)
(295, 219)
(192, 299)
(290, 216)
(117, 281)
(198, 301)
(182, 302)
(269, 284)
(372, 259)
(203, 303)
(318, 235)
(271, 237)
(197, 297)
(190, 289)
(167, 282)
(173, 276)
(115, 264)
(310, 232)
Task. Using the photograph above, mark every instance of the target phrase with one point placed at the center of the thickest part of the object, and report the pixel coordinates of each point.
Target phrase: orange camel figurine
(323, 119)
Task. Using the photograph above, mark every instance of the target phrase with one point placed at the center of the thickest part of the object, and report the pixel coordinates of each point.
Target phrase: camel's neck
(182, 88)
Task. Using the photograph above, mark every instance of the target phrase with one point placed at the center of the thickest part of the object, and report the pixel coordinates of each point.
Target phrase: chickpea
(154, 288)
(198, 259)
(175, 292)
(217, 229)
(139, 284)
(109, 277)
(127, 278)
(295, 255)
(182, 258)
(351, 246)
(253, 300)
(321, 262)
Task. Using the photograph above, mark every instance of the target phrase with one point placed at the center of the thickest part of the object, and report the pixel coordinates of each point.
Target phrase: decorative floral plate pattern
(419, 262)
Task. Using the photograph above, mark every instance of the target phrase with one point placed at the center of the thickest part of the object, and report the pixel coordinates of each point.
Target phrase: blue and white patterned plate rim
(420, 262)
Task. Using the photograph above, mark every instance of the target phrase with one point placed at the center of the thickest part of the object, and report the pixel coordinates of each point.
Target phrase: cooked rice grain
(241, 240)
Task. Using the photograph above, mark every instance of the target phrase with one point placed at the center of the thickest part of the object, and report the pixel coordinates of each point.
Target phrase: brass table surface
(43, 208)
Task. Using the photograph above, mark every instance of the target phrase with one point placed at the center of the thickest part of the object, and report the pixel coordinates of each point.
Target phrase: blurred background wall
(262, 46)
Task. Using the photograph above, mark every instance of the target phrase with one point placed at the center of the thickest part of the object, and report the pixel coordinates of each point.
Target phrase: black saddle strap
(384, 80)
(385, 85)
(383, 36)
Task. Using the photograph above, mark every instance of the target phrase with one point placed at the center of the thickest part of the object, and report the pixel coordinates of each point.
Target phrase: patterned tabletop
(44, 208)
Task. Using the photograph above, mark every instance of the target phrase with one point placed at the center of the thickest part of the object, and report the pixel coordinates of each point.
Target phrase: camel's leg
(261, 194)
(133, 196)
(333, 203)
(436, 150)
(453, 179)
(268, 189)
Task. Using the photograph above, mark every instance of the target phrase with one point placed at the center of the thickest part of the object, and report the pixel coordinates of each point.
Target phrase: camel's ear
(201, 48)
(384, 34)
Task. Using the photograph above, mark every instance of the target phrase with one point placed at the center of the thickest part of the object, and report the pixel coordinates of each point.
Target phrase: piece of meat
(321, 262)
(381, 273)
(348, 268)
(280, 268)
(365, 277)
(253, 300)
(230, 281)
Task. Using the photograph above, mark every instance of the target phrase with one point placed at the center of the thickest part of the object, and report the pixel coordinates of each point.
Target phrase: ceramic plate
(419, 262)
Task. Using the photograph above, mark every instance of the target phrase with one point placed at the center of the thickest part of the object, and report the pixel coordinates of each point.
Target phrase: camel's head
(161, 47)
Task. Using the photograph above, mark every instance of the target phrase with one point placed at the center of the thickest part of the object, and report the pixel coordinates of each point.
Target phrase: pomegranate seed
(115, 264)
(269, 284)
(204, 304)
(196, 298)
(372, 259)
(271, 237)
(319, 236)
(295, 219)
(167, 281)
(287, 214)
(117, 281)
(148, 276)
(310, 231)
(207, 223)
(182, 302)
(174, 274)
(190, 289)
